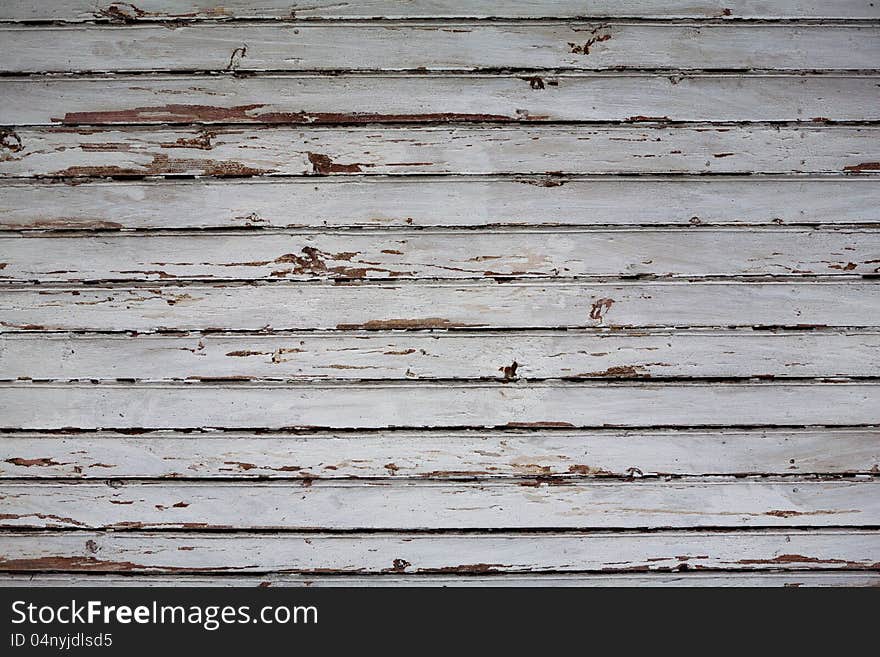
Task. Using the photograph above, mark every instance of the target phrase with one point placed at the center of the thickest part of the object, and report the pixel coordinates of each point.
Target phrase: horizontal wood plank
(248, 151)
(433, 47)
(424, 356)
(147, 10)
(441, 455)
(714, 579)
(360, 406)
(441, 255)
(436, 505)
(447, 98)
(448, 305)
(140, 552)
(438, 201)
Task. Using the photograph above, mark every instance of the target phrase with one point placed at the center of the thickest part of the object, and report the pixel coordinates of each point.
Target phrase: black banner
(224, 620)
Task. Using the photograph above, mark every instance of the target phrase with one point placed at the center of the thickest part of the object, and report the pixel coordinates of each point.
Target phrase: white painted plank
(441, 455)
(416, 305)
(388, 405)
(417, 356)
(361, 554)
(431, 46)
(250, 151)
(717, 579)
(438, 201)
(435, 505)
(145, 10)
(676, 253)
(446, 98)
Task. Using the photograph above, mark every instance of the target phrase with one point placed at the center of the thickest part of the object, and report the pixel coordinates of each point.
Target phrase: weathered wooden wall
(390, 293)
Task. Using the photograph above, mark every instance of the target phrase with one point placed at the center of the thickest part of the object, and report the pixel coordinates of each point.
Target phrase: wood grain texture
(384, 355)
(449, 305)
(445, 455)
(439, 505)
(455, 46)
(248, 151)
(441, 201)
(440, 405)
(139, 552)
(430, 98)
(438, 293)
(147, 10)
(441, 255)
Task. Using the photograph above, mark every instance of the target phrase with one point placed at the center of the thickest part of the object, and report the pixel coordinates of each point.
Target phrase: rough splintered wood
(147, 10)
(431, 46)
(448, 305)
(440, 255)
(446, 98)
(440, 505)
(249, 151)
(716, 579)
(441, 553)
(438, 201)
(441, 455)
(441, 405)
(414, 355)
